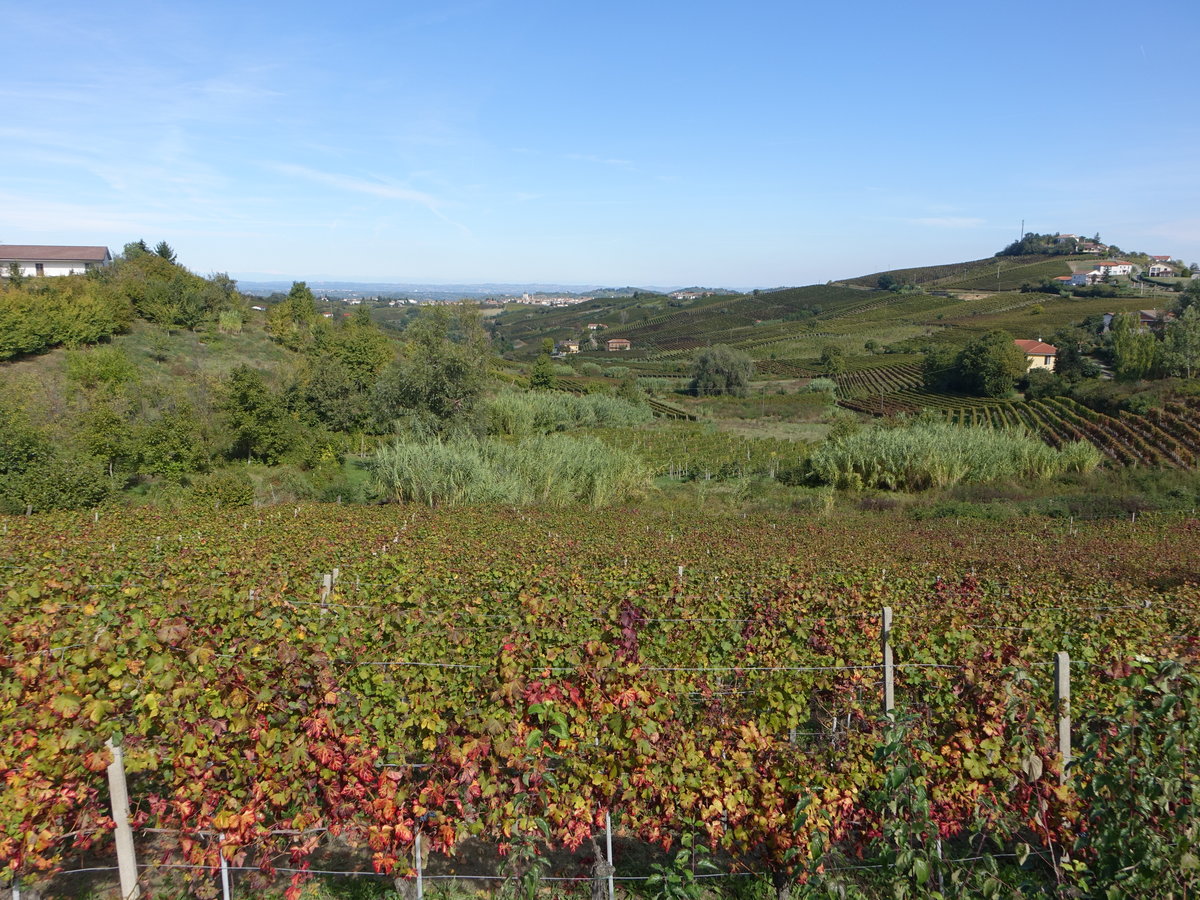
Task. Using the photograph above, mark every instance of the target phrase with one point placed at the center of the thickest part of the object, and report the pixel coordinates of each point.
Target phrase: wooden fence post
(119, 794)
(1062, 704)
(889, 684)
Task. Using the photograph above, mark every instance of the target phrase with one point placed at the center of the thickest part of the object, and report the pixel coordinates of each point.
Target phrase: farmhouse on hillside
(617, 344)
(1038, 355)
(1115, 267)
(43, 259)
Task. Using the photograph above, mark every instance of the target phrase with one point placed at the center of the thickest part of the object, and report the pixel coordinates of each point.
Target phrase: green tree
(833, 360)
(171, 445)
(721, 370)
(1190, 296)
(163, 249)
(258, 423)
(291, 321)
(1072, 361)
(939, 369)
(109, 437)
(134, 249)
(541, 377)
(1182, 342)
(1135, 352)
(437, 380)
(990, 365)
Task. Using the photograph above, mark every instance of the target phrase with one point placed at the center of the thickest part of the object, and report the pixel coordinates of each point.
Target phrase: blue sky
(647, 143)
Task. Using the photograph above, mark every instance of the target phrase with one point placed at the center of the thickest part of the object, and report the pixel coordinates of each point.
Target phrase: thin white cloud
(600, 160)
(371, 188)
(360, 185)
(949, 222)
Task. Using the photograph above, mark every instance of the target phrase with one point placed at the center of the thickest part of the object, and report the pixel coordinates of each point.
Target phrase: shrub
(224, 487)
(56, 482)
(108, 366)
(1140, 789)
(821, 385)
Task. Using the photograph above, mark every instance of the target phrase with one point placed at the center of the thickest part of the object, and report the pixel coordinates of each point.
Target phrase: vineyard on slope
(515, 674)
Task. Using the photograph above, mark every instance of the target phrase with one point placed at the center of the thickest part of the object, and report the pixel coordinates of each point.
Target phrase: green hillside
(993, 274)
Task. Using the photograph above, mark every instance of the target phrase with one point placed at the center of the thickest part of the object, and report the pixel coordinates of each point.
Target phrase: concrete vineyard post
(420, 871)
(889, 684)
(608, 829)
(119, 794)
(226, 886)
(1062, 704)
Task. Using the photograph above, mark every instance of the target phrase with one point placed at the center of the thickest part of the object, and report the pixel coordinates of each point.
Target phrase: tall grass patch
(935, 455)
(550, 470)
(523, 414)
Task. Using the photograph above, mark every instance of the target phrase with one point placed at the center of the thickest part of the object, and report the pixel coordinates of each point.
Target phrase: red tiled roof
(51, 252)
(1113, 262)
(1037, 348)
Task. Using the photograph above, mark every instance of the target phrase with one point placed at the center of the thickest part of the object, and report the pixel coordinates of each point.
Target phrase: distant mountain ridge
(443, 291)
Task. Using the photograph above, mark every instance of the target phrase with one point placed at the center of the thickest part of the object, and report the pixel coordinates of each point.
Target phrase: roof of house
(1113, 262)
(51, 252)
(1162, 258)
(1037, 348)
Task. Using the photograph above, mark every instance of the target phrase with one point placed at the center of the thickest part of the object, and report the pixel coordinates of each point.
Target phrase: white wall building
(36, 260)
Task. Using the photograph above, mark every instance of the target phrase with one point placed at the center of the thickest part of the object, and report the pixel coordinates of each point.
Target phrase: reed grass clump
(522, 414)
(927, 455)
(550, 470)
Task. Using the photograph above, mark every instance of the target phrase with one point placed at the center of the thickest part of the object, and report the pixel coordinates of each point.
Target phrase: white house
(1038, 355)
(1159, 270)
(42, 259)
(1115, 267)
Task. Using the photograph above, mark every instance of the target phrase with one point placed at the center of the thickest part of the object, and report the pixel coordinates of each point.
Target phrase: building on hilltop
(37, 260)
(617, 344)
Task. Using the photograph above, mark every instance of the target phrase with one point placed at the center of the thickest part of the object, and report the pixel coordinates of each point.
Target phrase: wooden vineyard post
(119, 794)
(889, 684)
(1062, 704)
